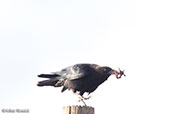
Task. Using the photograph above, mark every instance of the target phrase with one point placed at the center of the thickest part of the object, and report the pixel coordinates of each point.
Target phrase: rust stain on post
(78, 110)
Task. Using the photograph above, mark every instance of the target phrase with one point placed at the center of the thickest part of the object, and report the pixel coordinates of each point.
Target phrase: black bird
(79, 78)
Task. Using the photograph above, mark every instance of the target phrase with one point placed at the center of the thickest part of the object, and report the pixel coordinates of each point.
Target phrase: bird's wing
(72, 72)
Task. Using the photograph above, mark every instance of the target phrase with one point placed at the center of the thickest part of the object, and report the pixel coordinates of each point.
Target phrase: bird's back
(91, 79)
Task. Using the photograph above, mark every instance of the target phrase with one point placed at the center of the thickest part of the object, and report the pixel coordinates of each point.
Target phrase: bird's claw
(84, 98)
(81, 98)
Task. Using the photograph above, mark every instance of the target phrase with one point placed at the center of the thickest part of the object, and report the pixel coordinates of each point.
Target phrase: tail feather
(47, 83)
(48, 75)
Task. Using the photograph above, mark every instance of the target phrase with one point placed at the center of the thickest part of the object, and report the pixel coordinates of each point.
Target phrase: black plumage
(79, 78)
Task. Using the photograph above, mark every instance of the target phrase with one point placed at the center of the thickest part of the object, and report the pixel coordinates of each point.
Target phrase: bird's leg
(84, 98)
(88, 97)
(81, 98)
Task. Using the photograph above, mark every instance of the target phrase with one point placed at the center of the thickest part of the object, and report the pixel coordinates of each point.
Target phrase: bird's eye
(104, 70)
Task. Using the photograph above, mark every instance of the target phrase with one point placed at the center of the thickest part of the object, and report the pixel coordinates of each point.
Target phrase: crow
(79, 78)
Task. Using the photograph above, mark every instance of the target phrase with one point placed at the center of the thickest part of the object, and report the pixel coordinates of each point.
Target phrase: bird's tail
(48, 75)
(47, 83)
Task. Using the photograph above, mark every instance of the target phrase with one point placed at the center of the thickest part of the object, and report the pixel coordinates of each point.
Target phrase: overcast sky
(43, 36)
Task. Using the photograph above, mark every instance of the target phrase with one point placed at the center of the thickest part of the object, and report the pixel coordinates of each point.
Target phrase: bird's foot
(86, 98)
(82, 99)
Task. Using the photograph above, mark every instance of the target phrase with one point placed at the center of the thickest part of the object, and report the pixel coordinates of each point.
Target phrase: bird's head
(117, 74)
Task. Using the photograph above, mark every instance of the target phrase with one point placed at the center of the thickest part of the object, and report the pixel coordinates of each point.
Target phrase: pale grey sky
(43, 36)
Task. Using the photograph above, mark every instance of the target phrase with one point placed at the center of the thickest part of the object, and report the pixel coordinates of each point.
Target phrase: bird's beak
(116, 73)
